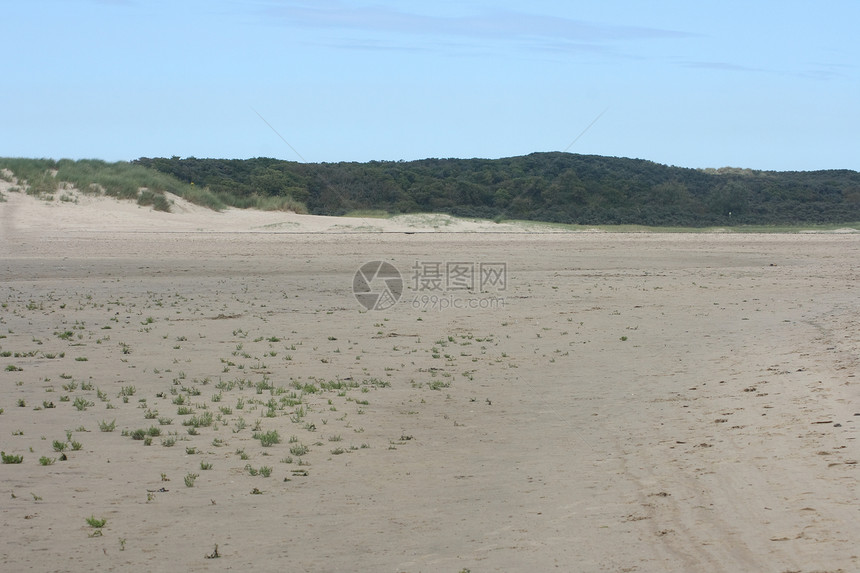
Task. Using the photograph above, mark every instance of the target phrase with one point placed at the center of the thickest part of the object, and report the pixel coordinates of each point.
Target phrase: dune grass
(263, 203)
(124, 180)
(369, 214)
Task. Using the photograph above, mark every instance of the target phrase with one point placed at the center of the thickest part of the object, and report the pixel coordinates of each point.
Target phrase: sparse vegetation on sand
(11, 458)
(123, 180)
(93, 521)
(281, 405)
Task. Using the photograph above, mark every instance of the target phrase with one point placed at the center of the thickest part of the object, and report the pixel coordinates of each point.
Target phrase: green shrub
(267, 439)
(11, 458)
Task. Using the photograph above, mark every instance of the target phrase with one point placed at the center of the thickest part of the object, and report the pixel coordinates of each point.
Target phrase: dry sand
(645, 402)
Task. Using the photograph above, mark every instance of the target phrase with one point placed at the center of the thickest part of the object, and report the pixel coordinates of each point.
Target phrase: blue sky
(758, 84)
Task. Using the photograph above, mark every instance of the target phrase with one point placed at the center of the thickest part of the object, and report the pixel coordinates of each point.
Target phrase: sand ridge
(71, 210)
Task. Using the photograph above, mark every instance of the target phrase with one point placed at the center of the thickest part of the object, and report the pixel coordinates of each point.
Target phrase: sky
(771, 85)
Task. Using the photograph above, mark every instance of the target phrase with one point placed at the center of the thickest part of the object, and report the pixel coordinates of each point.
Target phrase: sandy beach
(562, 401)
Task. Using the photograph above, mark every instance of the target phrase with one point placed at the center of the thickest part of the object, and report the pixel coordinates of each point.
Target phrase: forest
(552, 187)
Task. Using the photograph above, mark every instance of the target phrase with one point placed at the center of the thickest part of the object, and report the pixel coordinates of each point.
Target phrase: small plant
(59, 446)
(189, 479)
(204, 420)
(267, 439)
(205, 465)
(298, 450)
(107, 426)
(82, 403)
(214, 554)
(46, 461)
(92, 521)
(76, 445)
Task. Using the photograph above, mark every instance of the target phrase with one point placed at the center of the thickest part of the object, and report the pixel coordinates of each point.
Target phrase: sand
(627, 402)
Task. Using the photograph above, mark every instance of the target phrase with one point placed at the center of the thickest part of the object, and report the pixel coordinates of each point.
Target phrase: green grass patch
(369, 214)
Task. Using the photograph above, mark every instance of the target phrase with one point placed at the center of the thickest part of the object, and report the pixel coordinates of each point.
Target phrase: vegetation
(44, 177)
(105, 426)
(553, 187)
(131, 180)
(11, 458)
(93, 521)
(267, 439)
(550, 187)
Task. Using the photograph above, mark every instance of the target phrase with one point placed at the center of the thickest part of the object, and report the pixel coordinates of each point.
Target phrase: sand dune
(646, 402)
(81, 212)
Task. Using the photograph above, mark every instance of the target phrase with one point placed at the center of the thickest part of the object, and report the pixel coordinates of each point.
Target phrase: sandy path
(719, 435)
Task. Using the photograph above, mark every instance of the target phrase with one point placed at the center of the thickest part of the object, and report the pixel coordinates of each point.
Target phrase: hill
(550, 187)
(553, 187)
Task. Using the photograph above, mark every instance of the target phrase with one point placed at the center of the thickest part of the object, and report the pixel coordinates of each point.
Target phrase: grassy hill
(551, 187)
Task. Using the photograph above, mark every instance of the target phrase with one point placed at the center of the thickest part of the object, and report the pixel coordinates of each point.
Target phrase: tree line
(553, 187)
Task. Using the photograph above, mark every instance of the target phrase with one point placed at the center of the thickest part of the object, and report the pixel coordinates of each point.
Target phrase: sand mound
(70, 210)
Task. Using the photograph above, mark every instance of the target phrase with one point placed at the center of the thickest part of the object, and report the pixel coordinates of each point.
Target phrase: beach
(527, 399)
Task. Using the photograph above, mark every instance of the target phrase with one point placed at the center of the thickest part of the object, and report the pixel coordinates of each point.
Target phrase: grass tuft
(267, 439)
(92, 521)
